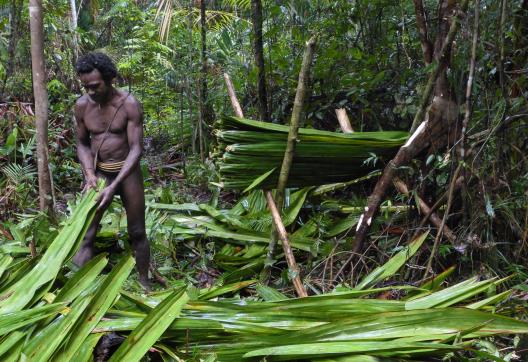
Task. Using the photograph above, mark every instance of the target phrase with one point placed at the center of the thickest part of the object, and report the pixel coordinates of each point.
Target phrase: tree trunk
(258, 49)
(14, 34)
(189, 80)
(41, 104)
(203, 80)
(73, 24)
(427, 127)
(520, 46)
(445, 16)
(421, 22)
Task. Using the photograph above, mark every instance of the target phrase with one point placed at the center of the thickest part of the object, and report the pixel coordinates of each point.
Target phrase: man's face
(95, 86)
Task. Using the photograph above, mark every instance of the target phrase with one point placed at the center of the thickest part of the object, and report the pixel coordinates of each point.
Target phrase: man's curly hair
(99, 61)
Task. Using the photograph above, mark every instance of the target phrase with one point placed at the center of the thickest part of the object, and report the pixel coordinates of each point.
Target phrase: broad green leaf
(343, 225)
(494, 299)
(14, 320)
(330, 348)
(85, 352)
(259, 180)
(431, 286)
(19, 294)
(358, 358)
(297, 200)
(44, 343)
(223, 217)
(452, 295)
(7, 342)
(5, 261)
(152, 327)
(174, 207)
(13, 355)
(82, 279)
(216, 291)
(103, 299)
(269, 294)
(16, 271)
(393, 265)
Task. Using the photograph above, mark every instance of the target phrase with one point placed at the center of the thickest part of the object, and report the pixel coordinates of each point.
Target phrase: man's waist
(110, 166)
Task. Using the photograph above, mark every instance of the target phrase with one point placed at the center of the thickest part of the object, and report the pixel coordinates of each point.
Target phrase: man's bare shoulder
(82, 102)
(130, 100)
(133, 106)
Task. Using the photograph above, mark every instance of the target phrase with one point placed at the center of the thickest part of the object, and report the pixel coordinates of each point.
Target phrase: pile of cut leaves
(48, 313)
(249, 150)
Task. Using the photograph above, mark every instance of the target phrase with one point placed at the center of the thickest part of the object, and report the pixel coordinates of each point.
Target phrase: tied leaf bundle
(249, 149)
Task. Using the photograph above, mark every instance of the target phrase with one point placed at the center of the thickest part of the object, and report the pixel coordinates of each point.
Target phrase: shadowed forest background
(447, 207)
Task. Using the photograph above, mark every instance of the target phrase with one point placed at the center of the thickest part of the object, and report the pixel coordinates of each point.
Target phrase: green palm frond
(215, 19)
(241, 4)
(17, 174)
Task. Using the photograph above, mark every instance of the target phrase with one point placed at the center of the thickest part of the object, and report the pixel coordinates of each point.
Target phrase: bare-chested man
(109, 146)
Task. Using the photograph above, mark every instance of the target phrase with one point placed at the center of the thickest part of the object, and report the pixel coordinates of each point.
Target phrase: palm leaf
(15, 320)
(102, 300)
(393, 265)
(151, 328)
(19, 294)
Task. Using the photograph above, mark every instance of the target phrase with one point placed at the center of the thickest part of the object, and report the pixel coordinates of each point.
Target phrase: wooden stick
(469, 85)
(344, 122)
(290, 146)
(232, 96)
(433, 217)
(277, 221)
(295, 121)
(288, 253)
(437, 204)
(32, 248)
(467, 114)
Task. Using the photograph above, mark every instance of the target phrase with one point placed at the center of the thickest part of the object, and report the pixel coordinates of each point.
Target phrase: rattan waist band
(110, 166)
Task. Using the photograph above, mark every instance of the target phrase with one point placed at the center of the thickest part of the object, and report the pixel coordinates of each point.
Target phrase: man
(109, 146)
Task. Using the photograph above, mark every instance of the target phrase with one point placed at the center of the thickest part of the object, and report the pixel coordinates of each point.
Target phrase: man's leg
(86, 251)
(133, 195)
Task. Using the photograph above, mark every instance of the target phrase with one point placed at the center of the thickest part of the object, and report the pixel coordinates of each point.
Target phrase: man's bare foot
(146, 284)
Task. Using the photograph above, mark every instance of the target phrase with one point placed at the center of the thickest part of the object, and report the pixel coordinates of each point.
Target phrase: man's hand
(91, 183)
(105, 197)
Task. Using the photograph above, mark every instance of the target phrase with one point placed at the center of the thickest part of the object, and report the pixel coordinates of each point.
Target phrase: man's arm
(84, 151)
(135, 145)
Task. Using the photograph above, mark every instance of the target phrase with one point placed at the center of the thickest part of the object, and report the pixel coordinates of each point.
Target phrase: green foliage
(15, 297)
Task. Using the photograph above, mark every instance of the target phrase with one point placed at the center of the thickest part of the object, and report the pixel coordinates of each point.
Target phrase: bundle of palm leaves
(249, 149)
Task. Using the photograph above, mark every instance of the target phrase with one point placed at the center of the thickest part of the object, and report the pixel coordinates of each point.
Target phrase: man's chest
(99, 120)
